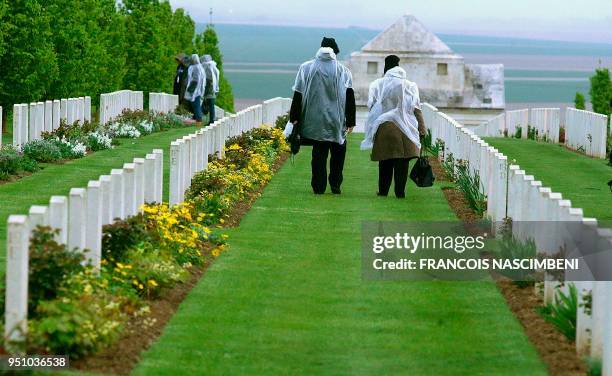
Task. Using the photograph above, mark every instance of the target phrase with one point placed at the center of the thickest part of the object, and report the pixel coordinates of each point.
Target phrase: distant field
(261, 61)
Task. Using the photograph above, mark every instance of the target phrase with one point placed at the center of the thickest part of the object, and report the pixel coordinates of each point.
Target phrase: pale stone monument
(471, 93)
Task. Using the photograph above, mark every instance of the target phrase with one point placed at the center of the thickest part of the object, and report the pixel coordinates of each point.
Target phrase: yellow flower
(153, 283)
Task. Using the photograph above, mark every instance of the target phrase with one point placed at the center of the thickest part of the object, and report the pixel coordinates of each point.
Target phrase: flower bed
(76, 140)
(76, 310)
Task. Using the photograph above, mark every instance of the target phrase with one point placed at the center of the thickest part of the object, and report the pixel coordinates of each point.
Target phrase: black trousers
(393, 168)
(320, 151)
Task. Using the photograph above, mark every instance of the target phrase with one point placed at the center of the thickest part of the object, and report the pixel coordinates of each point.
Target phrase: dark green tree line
(52, 49)
(207, 42)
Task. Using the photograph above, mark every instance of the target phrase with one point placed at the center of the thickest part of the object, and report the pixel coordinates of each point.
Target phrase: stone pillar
(159, 175)
(58, 217)
(139, 179)
(150, 178)
(93, 240)
(117, 193)
(106, 198)
(129, 189)
(40, 119)
(16, 293)
(48, 116)
(77, 218)
(176, 172)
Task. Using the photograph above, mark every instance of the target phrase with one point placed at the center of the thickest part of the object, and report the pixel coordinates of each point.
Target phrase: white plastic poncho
(323, 83)
(197, 76)
(210, 65)
(392, 98)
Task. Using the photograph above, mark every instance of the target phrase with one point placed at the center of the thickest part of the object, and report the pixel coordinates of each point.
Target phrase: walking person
(195, 87)
(180, 79)
(394, 127)
(323, 109)
(212, 86)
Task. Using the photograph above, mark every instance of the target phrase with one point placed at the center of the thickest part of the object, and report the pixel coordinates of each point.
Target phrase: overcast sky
(588, 20)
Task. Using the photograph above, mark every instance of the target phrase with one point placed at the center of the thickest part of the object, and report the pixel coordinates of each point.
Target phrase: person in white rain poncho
(394, 127)
(323, 110)
(195, 87)
(211, 86)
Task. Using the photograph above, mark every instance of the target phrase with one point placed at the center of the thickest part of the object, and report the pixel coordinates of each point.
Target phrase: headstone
(56, 114)
(48, 116)
(38, 216)
(150, 177)
(117, 193)
(159, 175)
(64, 110)
(129, 189)
(176, 172)
(77, 218)
(16, 292)
(106, 198)
(58, 217)
(88, 109)
(94, 224)
(32, 122)
(17, 118)
(139, 183)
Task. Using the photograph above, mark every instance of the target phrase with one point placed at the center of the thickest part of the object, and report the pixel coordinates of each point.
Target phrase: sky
(585, 20)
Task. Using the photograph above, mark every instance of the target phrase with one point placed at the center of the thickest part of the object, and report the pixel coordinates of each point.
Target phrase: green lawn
(288, 296)
(54, 179)
(579, 178)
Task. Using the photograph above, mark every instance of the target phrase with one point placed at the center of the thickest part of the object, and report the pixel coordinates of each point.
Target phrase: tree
(207, 42)
(88, 43)
(150, 65)
(579, 101)
(601, 91)
(29, 63)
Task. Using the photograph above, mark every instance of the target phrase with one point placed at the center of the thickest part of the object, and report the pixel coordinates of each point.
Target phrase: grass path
(288, 297)
(581, 179)
(54, 179)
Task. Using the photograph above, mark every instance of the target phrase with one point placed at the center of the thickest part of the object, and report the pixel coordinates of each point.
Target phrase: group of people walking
(197, 85)
(323, 112)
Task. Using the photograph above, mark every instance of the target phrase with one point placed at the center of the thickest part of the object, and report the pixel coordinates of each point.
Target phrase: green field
(56, 179)
(579, 178)
(288, 297)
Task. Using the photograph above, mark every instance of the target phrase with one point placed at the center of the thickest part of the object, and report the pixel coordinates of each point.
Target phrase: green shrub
(281, 121)
(44, 151)
(515, 249)
(50, 264)
(532, 133)
(518, 133)
(579, 101)
(10, 161)
(470, 186)
(122, 235)
(562, 313)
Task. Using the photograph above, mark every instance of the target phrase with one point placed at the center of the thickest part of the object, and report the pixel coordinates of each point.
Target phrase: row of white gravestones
(512, 193)
(546, 122)
(79, 219)
(163, 102)
(493, 128)
(113, 104)
(586, 131)
(273, 108)
(189, 154)
(30, 121)
(515, 119)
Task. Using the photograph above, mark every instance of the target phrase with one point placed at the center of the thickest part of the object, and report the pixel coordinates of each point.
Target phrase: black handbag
(422, 174)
